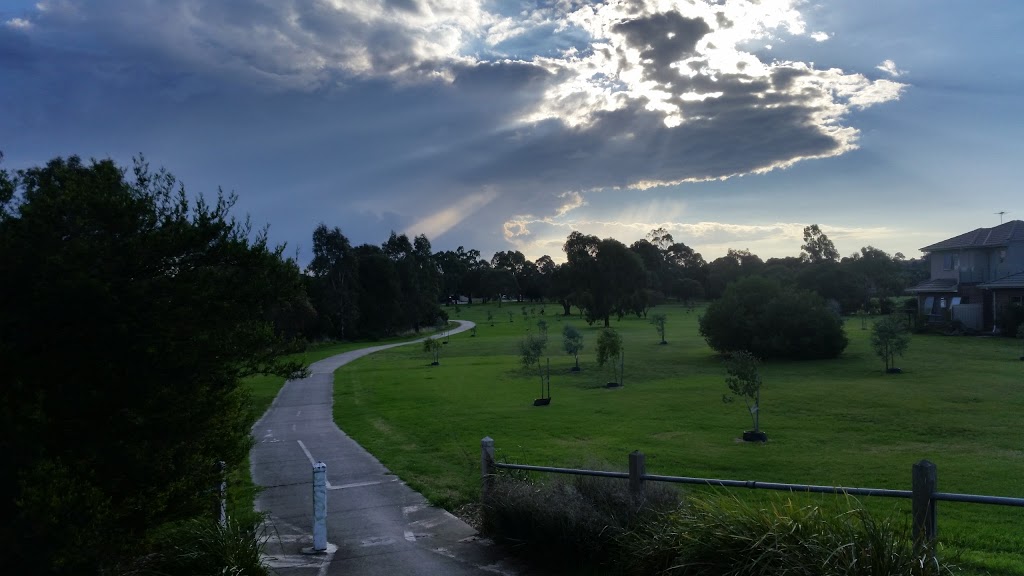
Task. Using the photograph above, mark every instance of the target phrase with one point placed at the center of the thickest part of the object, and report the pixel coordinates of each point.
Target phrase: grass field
(837, 422)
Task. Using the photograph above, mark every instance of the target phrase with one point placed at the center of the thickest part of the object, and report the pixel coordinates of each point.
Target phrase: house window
(1018, 300)
(950, 261)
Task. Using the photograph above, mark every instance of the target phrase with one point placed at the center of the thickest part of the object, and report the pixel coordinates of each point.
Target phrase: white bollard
(319, 507)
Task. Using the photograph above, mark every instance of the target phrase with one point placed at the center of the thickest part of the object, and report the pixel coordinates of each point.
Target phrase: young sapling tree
(572, 342)
(609, 348)
(531, 348)
(433, 347)
(889, 339)
(744, 380)
(659, 324)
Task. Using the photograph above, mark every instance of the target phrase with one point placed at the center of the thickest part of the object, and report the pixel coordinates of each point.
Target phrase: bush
(1010, 317)
(570, 521)
(718, 536)
(756, 314)
(204, 547)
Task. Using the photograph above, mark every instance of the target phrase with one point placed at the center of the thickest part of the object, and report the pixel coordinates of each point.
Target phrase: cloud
(819, 36)
(889, 67)
(536, 237)
(442, 108)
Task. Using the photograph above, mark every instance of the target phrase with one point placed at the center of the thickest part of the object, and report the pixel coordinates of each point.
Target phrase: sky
(507, 125)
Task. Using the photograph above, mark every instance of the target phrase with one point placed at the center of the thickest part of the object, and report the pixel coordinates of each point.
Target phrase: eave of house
(936, 285)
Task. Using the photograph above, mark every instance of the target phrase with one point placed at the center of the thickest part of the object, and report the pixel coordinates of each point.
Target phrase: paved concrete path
(375, 523)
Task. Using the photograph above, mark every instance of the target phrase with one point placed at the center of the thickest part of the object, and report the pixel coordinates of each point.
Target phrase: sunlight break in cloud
(440, 222)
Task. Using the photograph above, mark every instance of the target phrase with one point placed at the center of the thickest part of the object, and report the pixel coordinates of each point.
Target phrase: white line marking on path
(410, 536)
(313, 462)
(361, 484)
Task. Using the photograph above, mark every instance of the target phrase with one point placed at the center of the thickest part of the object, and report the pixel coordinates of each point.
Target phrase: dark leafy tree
(756, 314)
(380, 293)
(159, 305)
(334, 283)
(515, 264)
(617, 275)
(817, 247)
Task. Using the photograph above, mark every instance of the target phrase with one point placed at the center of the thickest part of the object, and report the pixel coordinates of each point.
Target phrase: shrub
(1010, 317)
(756, 314)
(202, 546)
(570, 521)
(724, 535)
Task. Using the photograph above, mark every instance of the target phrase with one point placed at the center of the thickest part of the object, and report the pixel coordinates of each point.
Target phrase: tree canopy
(757, 315)
(133, 311)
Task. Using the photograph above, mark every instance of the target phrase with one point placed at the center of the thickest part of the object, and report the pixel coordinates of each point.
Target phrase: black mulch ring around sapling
(751, 436)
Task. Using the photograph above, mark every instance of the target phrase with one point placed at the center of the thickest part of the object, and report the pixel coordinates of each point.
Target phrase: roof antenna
(1001, 212)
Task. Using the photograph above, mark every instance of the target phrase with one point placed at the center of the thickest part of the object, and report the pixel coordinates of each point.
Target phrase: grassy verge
(840, 422)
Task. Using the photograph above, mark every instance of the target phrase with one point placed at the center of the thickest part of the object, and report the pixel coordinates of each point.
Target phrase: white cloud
(819, 36)
(889, 67)
(18, 23)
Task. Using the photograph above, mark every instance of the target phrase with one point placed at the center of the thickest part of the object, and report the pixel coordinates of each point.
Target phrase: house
(974, 275)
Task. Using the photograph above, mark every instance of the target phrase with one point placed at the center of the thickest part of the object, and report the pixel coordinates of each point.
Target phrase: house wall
(937, 259)
(974, 266)
(1014, 261)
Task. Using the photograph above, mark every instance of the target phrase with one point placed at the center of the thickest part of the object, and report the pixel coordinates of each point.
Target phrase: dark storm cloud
(663, 38)
(362, 117)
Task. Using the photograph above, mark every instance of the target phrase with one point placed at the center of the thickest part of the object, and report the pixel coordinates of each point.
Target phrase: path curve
(376, 525)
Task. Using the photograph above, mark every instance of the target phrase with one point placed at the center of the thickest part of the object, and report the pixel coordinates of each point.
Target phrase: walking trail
(375, 523)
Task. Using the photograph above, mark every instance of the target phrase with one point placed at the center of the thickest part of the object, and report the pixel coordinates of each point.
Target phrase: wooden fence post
(637, 469)
(486, 469)
(924, 484)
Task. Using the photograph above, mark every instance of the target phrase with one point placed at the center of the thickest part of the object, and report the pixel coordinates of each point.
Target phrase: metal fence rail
(923, 493)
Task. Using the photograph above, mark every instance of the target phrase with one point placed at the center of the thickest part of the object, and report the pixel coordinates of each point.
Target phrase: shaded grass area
(835, 422)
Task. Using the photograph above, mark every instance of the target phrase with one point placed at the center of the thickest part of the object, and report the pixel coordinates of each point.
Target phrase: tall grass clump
(724, 536)
(201, 547)
(569, 521)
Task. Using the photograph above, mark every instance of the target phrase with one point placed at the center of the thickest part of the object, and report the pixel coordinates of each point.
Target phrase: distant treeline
(371, 291)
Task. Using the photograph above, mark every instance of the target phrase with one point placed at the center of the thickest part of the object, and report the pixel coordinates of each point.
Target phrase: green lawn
(838, 422)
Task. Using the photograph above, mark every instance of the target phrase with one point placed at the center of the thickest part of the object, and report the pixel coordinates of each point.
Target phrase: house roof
(1011, 281)
(1012, 231)
(934, 285)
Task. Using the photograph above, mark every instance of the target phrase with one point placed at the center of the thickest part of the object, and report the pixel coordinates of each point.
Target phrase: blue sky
(506, 125)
